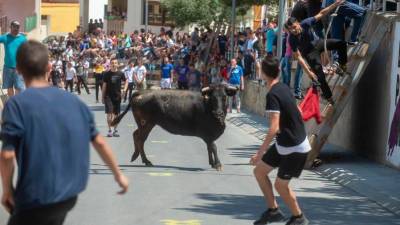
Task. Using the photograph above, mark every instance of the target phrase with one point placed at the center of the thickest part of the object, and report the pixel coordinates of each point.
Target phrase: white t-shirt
(140, 73)
(129, 74)
(304, 147)
(70, 73)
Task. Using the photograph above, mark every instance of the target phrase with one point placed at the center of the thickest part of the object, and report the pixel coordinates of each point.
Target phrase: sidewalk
(376, 182)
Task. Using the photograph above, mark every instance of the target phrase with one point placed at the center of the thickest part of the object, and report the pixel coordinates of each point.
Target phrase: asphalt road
(182, 189)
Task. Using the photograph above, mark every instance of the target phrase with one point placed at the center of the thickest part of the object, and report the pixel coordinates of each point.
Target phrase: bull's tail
(120, 116)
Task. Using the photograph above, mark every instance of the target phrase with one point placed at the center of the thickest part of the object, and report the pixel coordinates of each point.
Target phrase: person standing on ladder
(307, 48)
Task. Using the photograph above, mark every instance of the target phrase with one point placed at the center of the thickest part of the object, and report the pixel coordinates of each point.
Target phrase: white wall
(96, 9)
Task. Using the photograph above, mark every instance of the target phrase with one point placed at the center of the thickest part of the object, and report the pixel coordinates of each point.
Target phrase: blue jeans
(350, 10)
(11, 79)
(286, 66)
(297, 80)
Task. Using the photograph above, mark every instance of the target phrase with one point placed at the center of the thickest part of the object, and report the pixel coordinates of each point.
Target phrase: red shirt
(224, 73)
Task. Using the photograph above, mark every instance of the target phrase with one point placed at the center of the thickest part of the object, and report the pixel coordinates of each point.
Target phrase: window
(157, 15)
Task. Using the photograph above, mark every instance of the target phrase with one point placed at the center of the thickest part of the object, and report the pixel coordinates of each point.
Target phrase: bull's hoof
(316, 163)
(149, 164)
(218, 167)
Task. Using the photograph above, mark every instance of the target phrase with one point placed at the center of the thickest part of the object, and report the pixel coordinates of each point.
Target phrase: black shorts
(112, 106)
(289, 165)
(52, 214)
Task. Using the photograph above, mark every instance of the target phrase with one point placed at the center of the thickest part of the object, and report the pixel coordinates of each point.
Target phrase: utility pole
(146, 17)
(233, 24)
(281, 21)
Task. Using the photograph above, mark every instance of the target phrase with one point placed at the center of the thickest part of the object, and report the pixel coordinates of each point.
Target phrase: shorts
(289, 165)
(11, 79)
(112, 106)
(166, 83)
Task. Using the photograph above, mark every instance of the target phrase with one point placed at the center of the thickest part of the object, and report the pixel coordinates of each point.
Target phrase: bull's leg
(213, 148)
(210, 157)
(135, 141)
(144, 133)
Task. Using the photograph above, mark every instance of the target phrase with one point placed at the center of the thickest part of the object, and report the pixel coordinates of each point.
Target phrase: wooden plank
(342, 95)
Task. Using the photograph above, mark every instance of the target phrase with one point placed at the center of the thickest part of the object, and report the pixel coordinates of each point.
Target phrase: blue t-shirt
(182, 72)
(11, 45)
(271, 35)
(235, 75)
(50, 131)
(166, 70)
(305, 41)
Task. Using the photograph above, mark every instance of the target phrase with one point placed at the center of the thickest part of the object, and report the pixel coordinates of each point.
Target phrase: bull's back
(178, 112)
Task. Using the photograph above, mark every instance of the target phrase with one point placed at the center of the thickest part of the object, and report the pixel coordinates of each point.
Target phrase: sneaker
(115, 134)
(110, 134)
(299, 96)
(295, 220)
(270, 216)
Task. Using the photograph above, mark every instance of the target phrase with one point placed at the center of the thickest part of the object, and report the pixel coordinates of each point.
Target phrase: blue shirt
(49, 130)
(166, 70)
(11, 45)
(182, 72)
(271, 35)
(235, 75)
(305, 41)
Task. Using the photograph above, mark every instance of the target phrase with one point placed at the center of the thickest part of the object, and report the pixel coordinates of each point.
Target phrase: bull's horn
(204, 90)
(232, 88)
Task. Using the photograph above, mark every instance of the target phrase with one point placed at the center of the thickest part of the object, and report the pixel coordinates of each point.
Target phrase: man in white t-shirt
(140, 75)
(70, 75)
(129, 75)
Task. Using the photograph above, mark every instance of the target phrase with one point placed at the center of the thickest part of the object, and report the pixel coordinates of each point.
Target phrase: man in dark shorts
(112, 95)
(46, 132)
(288, 154)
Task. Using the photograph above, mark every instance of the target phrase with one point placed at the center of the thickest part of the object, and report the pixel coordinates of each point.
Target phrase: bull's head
(216, 97)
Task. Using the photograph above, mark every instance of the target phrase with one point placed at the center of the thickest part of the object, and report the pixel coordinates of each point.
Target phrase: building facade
(126, 16)
(60, 16)
(28, 16)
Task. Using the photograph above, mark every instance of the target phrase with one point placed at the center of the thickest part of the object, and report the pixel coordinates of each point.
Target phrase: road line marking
(181, 222)
(160, 142)
(160, 174)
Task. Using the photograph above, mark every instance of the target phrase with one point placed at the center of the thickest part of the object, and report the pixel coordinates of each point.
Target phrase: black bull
(180, 112)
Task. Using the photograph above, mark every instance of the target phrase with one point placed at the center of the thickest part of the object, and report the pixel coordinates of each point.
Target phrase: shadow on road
(164, 167)
(332, 209)
(246, 151)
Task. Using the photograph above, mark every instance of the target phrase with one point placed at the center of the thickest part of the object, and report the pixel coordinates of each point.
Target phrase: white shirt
(70, 73)
(129, 74)
(304, 147)
(140, 73)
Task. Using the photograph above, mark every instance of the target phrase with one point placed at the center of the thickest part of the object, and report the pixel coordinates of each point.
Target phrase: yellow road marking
(181, 222)
(160, 174)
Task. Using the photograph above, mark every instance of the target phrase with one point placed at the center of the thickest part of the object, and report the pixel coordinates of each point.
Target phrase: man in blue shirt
(235, 78)
(307, 48)
(47, 131)
(166, 74)
(11, 42)
(182, 71)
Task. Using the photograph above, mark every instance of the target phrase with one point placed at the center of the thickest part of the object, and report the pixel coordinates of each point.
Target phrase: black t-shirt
(113, 81)
(306, 40)
(291, 127)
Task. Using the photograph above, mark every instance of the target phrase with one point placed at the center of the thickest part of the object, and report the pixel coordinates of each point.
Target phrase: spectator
(12, 41)
(235, 77)
(46, 192)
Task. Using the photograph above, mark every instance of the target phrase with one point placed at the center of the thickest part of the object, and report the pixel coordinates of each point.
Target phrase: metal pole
(146, 17)
(233, 28)
(281, 21)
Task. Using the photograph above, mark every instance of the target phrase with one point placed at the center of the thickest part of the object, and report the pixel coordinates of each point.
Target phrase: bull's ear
(205, 91)
(231, 91)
